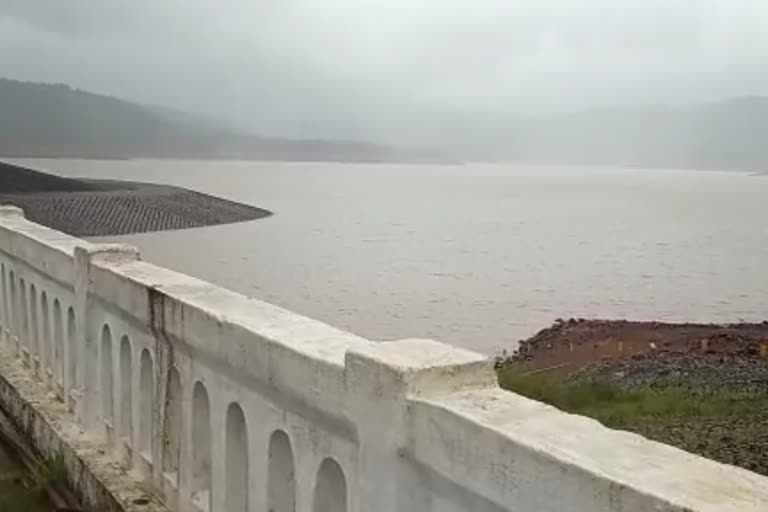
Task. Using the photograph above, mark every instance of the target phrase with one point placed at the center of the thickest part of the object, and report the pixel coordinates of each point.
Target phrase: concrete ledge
(94, 475)
(10, 211)
(543, 460)
(423, 366)
(111, 253)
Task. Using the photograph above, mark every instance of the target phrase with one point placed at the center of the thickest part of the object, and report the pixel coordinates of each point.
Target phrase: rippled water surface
(476, 255)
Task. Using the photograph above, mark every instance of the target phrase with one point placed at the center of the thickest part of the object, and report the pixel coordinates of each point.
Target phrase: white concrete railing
(228, 404)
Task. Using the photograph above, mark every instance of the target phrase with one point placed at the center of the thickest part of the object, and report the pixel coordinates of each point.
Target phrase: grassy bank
(725, 426)
(28, 491)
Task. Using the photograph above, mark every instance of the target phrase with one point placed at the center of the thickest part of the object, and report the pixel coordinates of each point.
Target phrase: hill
(58, 121)
(55, 120)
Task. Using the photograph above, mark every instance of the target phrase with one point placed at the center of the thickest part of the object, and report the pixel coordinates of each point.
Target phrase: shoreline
(348, 159)
(574, 343)
(452, 162)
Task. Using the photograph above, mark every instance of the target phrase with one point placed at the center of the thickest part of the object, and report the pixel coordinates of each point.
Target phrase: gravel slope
(102, 208)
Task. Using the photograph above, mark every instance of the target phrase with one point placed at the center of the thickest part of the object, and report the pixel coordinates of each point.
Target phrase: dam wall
(148, 380)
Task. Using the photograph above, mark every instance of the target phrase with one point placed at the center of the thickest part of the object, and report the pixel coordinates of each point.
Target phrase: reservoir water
(476, 255)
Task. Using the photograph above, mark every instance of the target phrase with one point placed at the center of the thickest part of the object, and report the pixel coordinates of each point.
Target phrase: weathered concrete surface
(565, 462)
(99, 482)
(223, 403)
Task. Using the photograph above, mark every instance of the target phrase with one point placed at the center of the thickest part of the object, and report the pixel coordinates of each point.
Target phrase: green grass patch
(27, 494)
(616, 407)
(723, 425)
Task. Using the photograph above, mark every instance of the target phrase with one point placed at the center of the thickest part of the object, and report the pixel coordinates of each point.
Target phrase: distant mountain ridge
(46, 120)
(55, 120)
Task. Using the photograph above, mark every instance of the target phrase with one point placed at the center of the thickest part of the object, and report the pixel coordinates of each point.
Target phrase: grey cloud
(391, 70)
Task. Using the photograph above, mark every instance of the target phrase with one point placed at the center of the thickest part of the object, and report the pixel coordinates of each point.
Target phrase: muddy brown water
(475, 255)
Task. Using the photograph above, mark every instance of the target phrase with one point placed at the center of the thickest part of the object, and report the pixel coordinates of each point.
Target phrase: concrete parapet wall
(219, 402)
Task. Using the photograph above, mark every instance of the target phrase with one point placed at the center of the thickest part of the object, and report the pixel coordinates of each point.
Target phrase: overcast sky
(378, 68)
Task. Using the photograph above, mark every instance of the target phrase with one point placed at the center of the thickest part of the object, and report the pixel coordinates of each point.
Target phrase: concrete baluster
(87, 376)
(379, 380)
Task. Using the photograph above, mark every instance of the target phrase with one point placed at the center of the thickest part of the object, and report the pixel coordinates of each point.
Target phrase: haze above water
(476, 255)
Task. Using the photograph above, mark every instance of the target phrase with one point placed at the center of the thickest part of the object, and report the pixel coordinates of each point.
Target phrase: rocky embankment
(648, 351)
(105, 207)
(722, 366)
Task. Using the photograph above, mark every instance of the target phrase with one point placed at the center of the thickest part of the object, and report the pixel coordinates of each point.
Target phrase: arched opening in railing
(72, 353)
(330, 488)
(33, 332)
(172, 426)
(281, 477)
(126, 391)
(13, 306)
(201, 447)
(57, 365)
(147, 391)
(24, 331)
(236, 476)
(107, 389)
(45, 334)
(4, 323)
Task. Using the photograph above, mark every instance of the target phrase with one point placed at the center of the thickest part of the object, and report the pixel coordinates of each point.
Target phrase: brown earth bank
(700, 387)
(569, 345)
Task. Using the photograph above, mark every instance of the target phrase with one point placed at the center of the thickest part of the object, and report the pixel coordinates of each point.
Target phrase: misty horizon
(390, 72)
(557, 114)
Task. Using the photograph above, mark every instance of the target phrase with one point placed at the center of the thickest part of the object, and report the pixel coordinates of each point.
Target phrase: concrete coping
(679, 480)
(111, 253)
(10, 211)
(425, 366)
